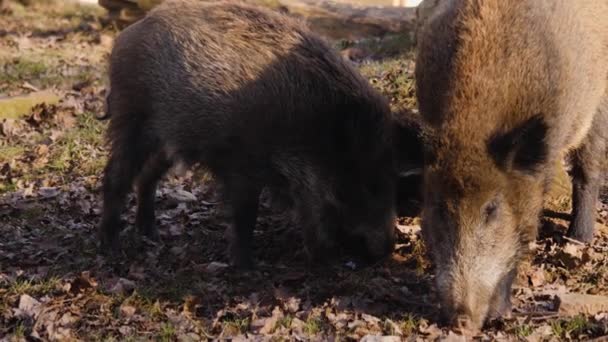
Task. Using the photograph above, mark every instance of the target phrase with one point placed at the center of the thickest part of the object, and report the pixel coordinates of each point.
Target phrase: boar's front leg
(118, 178)
(320, 232)
(587, 173)
(147, 181)
(242, 196)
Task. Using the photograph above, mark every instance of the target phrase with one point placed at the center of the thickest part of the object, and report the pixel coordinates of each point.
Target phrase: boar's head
(482, 200)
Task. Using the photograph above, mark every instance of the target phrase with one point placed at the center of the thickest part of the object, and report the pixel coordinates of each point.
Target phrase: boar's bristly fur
(260, 101)
(508, 88)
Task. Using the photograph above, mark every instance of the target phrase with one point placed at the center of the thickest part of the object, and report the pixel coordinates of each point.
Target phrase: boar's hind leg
(587, 171)
(147, 180)
(118, 179)
(242, 196)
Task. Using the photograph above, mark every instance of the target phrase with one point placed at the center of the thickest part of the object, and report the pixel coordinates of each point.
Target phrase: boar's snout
(372, 241)
(465, 318)
(467, 308)
(382, 243)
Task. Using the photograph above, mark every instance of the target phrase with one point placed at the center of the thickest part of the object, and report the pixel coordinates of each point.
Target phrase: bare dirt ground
(54, 286)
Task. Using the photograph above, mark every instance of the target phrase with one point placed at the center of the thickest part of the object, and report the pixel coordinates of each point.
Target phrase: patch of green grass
(572, 327)
(342, 44)
(577, 325)
(284, 322)
(76, 150)
(523, 330)
(23, 68)
(52, 12)
(8, 187)
(26, 68)
(236, 326)
(20, 331)
(77, 11)
(557, 329)
(145, 305)
(59, 68)
(20, 287)
(8, 153)
(394, 78)
(409, 324)
(167, 332)
(313, 325)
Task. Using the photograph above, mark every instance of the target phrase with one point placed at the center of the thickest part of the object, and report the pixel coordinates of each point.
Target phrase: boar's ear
(523, 148)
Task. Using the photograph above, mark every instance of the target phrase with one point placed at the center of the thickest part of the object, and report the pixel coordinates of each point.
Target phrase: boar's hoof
(109, 245)
(241, 259)
(151, 233)
(583, 233)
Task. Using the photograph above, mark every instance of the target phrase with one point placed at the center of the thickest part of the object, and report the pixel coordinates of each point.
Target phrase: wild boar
(508, 88)
(260, 101)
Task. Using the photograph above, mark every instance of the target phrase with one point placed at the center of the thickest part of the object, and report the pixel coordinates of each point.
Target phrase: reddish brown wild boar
(260, 101)
(508, 88)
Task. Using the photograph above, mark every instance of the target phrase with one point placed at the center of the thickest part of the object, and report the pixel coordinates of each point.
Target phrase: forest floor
(54, 285)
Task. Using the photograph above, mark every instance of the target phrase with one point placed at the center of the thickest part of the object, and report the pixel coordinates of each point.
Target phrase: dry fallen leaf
(127, 311)
(181, 196)
(216, 267)
(537, 278)
(123, 286)
(28, 307)
(378, 338)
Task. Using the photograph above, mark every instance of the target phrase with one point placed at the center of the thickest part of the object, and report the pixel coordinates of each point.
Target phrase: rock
(572, 304)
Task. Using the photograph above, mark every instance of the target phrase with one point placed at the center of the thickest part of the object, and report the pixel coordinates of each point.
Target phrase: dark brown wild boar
(260, 101)
(508, 88)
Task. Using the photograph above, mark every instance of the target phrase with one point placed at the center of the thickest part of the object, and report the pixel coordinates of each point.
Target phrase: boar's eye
(489, 211)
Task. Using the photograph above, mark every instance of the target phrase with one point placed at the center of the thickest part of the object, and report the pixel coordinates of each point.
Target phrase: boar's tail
(105, 114)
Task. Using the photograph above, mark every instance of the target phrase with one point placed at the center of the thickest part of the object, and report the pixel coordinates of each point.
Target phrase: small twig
(576, 242)
(29, 86)
(537, 316)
